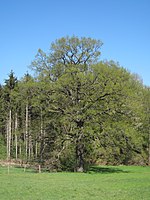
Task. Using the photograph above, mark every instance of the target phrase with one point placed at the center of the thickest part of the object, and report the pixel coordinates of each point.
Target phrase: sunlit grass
(100, 183)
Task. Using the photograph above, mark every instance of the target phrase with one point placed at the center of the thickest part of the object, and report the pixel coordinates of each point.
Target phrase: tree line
(75, 111)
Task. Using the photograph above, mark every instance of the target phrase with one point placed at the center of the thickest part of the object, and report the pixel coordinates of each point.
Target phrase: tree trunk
(16, 138)
(149, 148)
(20, 150)
(26, 130)
(7, 128)
(9, 136)
(30, 151)
(79, 157)
(36, 149)
(80, 148)
(42, 136)
(29, 148)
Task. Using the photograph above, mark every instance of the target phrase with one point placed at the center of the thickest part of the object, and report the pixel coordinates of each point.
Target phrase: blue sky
(122, 25)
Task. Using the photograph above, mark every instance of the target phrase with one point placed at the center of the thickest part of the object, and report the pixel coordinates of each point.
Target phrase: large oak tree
(85, 93)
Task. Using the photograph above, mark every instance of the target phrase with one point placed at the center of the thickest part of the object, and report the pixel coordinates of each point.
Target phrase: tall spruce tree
(9, 87)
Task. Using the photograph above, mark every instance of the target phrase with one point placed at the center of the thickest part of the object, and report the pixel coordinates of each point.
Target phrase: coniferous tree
(9, 87)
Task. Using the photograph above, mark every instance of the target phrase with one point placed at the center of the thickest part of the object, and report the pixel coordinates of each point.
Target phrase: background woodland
(75, 111)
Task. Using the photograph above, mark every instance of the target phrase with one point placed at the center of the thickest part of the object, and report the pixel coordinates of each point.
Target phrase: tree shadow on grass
(105, 170)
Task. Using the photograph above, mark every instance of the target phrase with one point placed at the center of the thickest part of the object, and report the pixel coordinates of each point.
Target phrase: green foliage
(2, 149)
(76, 111)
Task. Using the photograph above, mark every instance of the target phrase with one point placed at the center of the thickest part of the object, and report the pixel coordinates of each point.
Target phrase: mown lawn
(101, 183)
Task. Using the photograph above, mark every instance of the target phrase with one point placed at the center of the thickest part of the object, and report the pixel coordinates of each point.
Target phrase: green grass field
(100, 183)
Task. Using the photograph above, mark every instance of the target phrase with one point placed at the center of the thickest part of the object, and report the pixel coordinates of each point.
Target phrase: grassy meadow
(99, 183)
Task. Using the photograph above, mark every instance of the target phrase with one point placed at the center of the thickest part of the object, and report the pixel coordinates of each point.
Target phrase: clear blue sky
(122, 25)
